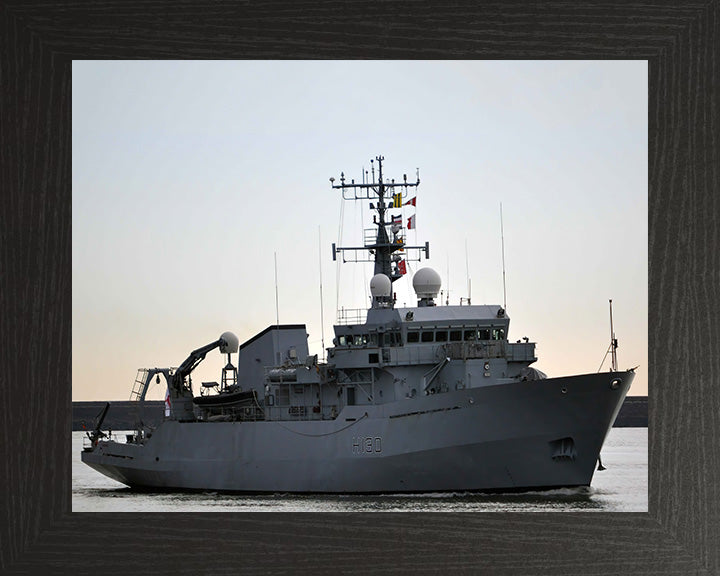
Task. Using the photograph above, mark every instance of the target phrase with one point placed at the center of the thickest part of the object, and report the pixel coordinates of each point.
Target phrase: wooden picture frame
(39, 532)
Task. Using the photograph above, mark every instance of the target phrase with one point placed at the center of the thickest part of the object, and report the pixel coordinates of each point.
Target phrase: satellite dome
(380, 285)
(426, 283)
(229, 343)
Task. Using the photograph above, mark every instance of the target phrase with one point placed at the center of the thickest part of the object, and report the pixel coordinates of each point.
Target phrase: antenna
(612, 349)
(467, 273)
(502, 242)
(613, 343)
(447, 294)
(277, 314)
(334, 252)
(322, 316)
(381, 243)
(277, 307)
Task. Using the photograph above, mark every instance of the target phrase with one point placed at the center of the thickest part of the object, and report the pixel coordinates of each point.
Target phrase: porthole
(615, 384)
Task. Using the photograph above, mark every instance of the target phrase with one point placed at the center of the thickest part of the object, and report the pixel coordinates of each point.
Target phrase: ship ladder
(140, 385)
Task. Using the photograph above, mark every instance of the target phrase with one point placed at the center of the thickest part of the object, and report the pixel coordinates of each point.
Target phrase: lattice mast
(388, 253)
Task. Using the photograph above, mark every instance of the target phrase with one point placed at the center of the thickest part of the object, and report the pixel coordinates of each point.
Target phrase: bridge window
(455, 335)
(484, 334)
(394, 338)
(413, 337)
(498, 334)
(441, 336)
(342, 341)
(427, 336)
(470, 334)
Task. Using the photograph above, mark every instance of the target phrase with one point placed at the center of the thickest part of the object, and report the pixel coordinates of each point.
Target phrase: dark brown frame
(38, 532)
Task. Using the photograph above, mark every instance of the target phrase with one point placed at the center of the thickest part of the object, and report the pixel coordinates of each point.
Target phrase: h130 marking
(366, 445)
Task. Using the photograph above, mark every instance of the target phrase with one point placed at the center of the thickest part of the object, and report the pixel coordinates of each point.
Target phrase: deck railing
(351, 316)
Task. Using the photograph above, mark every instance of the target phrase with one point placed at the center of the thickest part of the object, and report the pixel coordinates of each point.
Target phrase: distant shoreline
(121, 416)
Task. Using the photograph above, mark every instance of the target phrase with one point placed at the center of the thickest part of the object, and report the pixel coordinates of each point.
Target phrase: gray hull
(520, 435)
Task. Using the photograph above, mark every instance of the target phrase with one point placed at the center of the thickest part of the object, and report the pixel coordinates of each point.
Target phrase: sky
(193, 182)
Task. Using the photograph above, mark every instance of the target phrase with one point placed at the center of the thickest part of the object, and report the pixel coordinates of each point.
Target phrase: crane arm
(191, 362)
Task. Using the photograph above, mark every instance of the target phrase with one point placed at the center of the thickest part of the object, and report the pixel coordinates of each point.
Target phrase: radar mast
(385, 244)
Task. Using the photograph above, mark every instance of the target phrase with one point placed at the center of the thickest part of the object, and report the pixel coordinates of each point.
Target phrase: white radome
(426, 283)
(230, 343)
(380, 285)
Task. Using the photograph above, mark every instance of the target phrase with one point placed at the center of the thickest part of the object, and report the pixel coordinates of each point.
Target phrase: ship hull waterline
(513, 436)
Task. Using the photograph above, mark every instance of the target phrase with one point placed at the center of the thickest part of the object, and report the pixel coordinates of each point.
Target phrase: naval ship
(426, 398)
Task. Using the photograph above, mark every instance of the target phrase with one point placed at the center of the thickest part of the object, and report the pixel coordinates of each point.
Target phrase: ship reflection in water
(623, 487)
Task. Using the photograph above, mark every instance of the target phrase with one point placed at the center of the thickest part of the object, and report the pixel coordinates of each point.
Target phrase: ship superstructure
(410, 399)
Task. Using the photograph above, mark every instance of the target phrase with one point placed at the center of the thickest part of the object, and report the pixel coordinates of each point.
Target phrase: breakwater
(123, 413)
(633, 413)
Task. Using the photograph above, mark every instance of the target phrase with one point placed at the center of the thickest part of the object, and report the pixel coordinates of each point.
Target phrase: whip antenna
(612, 349)
(502, 242)
(322, 316)
(277, 314)
(277, 307)
(613, 343)
(467, 272)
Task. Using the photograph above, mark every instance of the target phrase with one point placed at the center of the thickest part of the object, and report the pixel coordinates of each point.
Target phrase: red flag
(411, 222)
(401, 267)
(410, 202)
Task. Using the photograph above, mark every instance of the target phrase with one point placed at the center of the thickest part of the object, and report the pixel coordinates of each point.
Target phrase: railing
(351, 316)
(369, 237)
(468, 350)
(431, 354)
(453, 350)
(521, 351)
(88, 444)
(300, 412)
